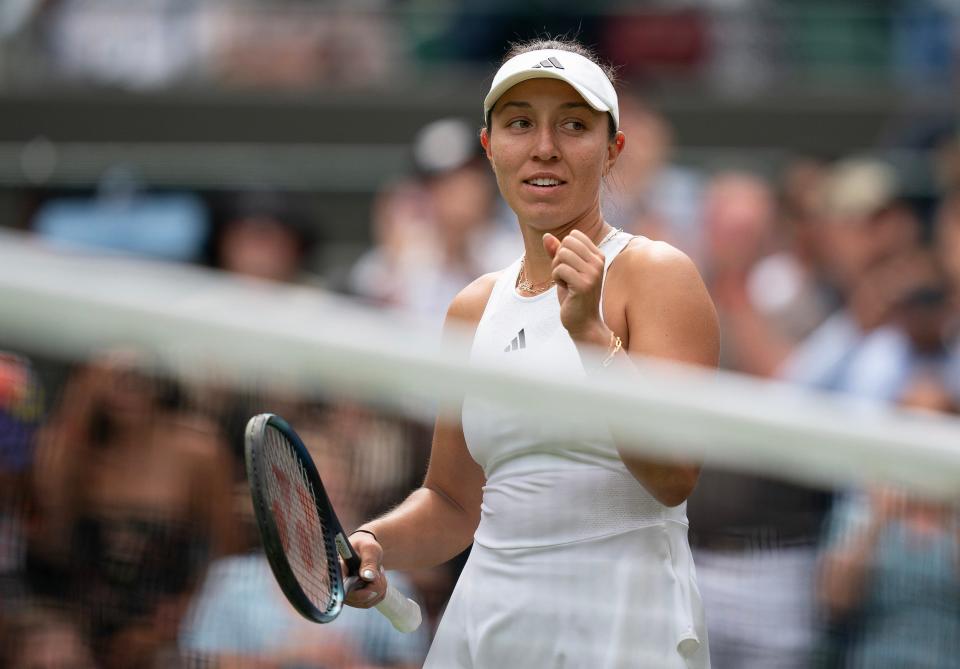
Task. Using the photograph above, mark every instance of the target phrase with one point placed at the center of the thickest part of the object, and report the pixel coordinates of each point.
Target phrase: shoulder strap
(505, 282)
(611, 250)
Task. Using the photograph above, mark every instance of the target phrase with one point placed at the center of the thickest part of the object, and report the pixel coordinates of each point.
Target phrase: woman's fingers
(566, 256)
(578, 270)
(577, 242)
(577, 264)
(367, 593)
(578, 257)
(371, 556)
(570, 278)
(371, 583)
(583, 244)
(550, 244)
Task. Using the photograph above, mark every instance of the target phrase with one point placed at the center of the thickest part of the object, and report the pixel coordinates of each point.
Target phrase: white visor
(583, 74)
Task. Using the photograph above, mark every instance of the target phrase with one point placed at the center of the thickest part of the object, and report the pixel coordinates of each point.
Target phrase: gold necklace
(526, 286)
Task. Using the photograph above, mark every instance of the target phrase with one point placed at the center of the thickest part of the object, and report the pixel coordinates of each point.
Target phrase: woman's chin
(543, 216)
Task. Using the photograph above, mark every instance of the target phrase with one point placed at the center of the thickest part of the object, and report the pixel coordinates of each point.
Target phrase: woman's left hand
(578, 271)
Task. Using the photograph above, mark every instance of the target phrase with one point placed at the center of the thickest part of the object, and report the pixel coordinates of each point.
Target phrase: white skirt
(627, 600)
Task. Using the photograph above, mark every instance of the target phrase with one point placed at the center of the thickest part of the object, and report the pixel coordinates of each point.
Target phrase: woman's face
(549, 150)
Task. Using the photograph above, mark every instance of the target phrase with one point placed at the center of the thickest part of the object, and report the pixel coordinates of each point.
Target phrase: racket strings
(293, 504)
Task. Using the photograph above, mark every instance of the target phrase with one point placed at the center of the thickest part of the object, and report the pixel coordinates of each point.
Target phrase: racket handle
(403, 613)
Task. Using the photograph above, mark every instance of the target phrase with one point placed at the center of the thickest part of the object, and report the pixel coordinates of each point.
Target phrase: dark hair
(559, 44)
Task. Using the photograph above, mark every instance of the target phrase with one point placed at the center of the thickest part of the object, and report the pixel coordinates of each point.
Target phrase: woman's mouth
(544, 182)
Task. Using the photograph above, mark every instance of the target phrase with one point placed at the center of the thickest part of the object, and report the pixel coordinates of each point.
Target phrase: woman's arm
(656, 302)
(437, 521)
(669, 315)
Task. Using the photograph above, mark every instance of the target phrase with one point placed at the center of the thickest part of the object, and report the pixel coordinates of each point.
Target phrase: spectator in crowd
(739, 214)
(852, 235)
(863, 223)
(645, 193)
(889, 579)
(133, 502)
(763, 262)
(787, 285)
(265, 236)
(41, 636)
(402, 244)
(462, 235)
(913, 339)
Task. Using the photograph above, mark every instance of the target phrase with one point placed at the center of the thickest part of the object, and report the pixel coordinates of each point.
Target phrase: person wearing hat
(580, 555)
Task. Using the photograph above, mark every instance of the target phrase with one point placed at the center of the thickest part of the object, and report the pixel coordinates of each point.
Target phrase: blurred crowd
(739, 45)
(126, 534)
(127, 537)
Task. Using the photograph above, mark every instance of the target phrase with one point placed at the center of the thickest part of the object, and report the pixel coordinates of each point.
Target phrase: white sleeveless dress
(574, 563)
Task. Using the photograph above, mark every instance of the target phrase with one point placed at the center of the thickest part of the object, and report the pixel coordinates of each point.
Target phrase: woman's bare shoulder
(666, 303)
(649, 269)
(467, 307)
(652, 256)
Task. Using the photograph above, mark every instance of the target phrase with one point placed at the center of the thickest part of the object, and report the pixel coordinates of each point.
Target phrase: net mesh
(822, 525)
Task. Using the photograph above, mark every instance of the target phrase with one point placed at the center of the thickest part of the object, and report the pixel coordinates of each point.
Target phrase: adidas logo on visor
(550, 62)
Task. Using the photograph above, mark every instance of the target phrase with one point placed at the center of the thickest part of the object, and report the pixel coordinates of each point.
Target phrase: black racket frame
(334, 538)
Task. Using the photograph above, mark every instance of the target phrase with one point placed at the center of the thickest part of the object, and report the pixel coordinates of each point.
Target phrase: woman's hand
(374, 581)
(578, 271)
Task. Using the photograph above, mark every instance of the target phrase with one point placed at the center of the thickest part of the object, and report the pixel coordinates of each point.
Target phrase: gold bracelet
(614, 347)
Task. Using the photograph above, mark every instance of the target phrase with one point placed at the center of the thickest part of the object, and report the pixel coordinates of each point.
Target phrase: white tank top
(546, 486)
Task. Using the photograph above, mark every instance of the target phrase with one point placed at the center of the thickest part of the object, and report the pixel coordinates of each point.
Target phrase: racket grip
(403, 613)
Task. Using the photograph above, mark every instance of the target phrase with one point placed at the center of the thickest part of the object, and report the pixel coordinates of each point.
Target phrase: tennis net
(126, 529)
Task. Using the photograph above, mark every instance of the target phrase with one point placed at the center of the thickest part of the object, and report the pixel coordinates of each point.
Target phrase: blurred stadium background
(805, 153)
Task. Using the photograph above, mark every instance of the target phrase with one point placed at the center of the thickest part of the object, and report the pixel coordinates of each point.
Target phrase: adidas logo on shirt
(519, 342)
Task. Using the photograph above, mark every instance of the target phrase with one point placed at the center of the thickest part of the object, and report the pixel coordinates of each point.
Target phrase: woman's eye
(575, 125)
(519, 123)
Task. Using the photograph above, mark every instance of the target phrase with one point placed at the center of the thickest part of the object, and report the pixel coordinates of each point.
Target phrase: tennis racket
(300, 531)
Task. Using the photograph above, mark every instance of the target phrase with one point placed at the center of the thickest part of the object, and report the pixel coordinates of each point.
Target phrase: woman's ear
(485, 143)
(614, 148)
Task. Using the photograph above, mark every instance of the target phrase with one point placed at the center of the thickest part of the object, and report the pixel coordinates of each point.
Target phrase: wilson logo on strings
(287, 526)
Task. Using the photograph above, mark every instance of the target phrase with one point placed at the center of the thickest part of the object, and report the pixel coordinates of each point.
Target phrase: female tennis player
(580, 554)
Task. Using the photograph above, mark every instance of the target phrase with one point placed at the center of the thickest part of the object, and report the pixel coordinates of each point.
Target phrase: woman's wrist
(605, 346)
(596, 334)
(365, 531)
